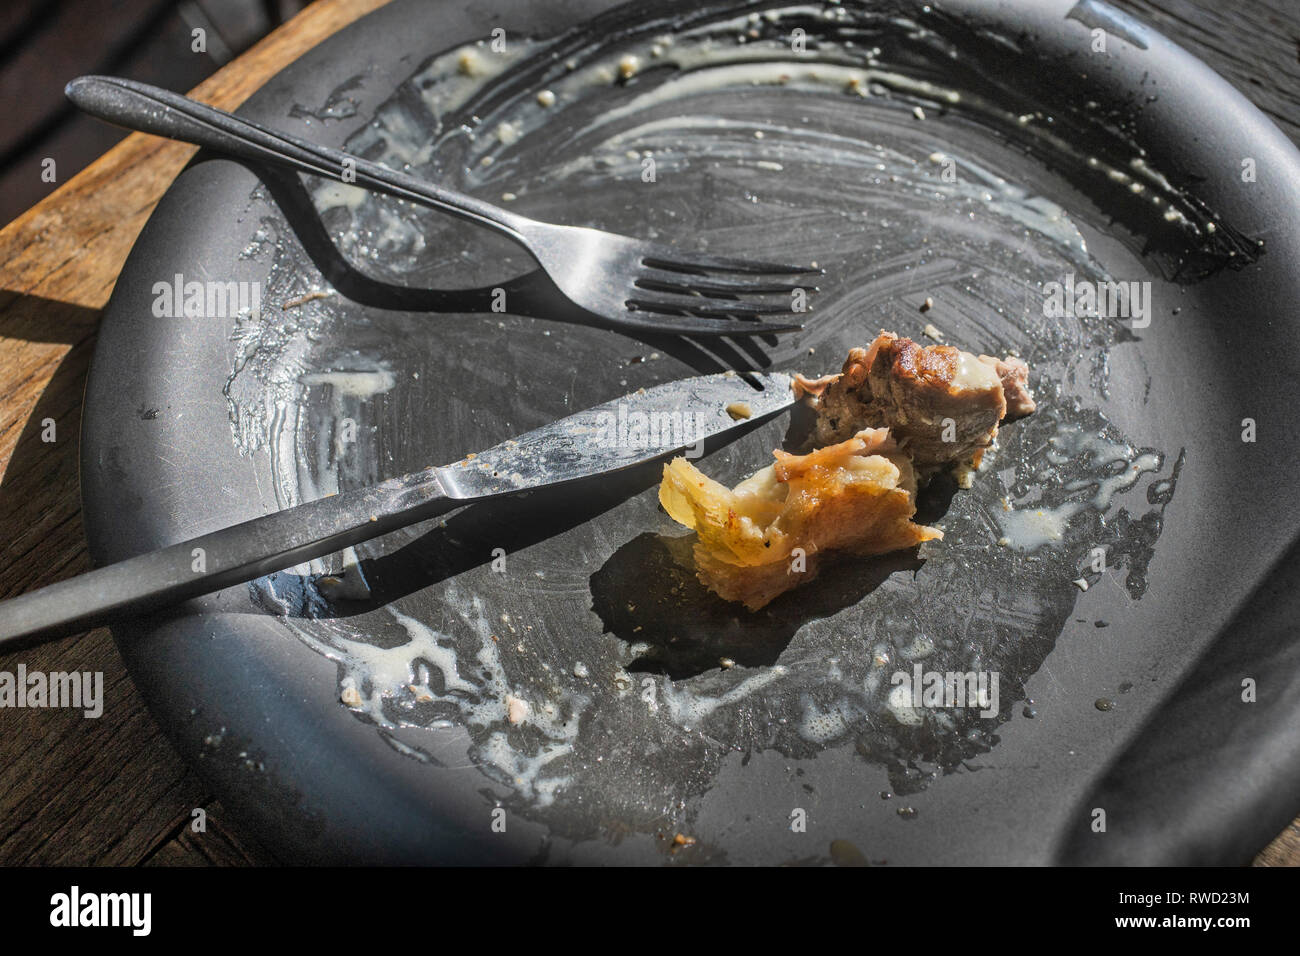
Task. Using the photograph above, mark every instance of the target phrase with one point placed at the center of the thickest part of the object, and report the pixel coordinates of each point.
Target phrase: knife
(638, 428)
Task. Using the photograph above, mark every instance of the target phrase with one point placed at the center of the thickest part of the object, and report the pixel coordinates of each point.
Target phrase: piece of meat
(941, 404)
(771, 532)
(803, 385)
(1014, 374)
(896, 413)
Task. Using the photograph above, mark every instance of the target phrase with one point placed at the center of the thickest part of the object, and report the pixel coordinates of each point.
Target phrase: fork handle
(149, 109)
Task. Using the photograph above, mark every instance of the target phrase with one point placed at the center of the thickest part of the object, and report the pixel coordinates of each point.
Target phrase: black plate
(197, 423)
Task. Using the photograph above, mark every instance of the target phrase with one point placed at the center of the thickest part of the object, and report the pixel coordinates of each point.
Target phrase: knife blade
(628, 431)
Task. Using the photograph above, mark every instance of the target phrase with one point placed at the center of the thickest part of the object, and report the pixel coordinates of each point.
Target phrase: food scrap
(516, 710)
(770, 533)
(896, 415)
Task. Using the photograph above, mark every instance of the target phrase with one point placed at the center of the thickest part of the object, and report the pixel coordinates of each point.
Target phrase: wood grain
(109, 790)
(112, 790)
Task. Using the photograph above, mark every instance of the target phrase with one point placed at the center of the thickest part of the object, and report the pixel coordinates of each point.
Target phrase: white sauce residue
(353, 384)
(1029, 527)
(429, 670)
(823, 725)
(690, 709)
(900, 705)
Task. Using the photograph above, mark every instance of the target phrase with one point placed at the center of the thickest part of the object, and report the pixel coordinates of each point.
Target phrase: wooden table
(112, 790)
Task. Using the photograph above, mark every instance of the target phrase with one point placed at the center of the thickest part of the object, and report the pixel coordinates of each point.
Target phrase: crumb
(350, 696)
(682, 839)
(1080, 583)
(304, 299)
(546, 98)
(468, 63)
(516, 710)
(918, 112)
(739, 411)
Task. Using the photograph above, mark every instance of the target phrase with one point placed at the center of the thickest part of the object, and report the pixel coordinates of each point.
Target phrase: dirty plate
(1003, 161)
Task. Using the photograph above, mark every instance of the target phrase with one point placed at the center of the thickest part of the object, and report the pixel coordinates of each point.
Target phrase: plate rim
(98, 501)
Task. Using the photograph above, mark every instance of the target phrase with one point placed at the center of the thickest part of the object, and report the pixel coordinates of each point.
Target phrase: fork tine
(664, 280)
(698, 325)
(702, 305)
(686, 261)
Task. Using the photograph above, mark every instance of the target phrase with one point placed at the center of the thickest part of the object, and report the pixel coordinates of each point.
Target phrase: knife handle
(222, 558)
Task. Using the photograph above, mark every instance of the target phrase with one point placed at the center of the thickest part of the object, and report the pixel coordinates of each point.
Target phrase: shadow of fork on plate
(531, 294)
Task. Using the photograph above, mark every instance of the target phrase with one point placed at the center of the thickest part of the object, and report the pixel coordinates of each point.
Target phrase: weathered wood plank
(112, 791)
(217, 845)
(109, 790)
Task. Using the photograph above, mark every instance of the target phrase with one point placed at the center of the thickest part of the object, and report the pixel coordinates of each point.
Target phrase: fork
(629, 283)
